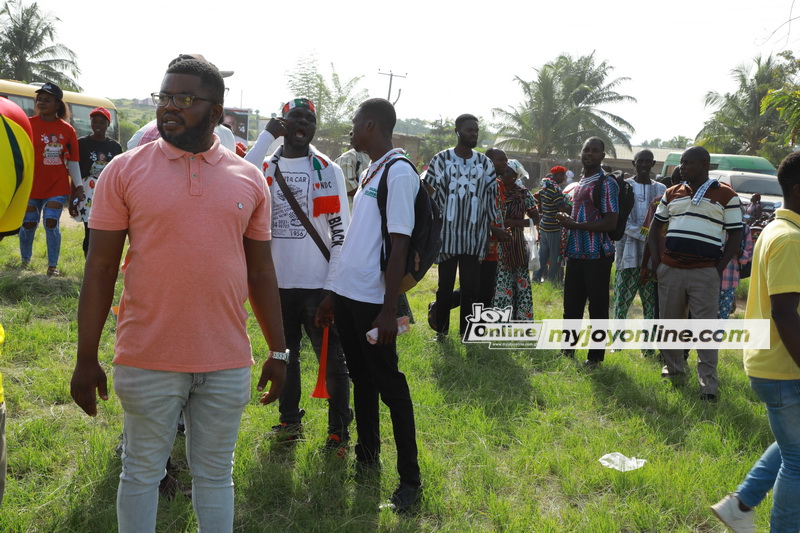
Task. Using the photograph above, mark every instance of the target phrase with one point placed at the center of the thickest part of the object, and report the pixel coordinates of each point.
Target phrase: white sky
(460, 57)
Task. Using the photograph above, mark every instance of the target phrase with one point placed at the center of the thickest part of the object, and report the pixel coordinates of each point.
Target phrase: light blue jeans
(782, 398)
(212, 404)
(761, 478)
(52, 235)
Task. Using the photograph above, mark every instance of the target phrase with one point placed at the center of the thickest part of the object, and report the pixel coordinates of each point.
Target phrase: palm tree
(561, 108)
(28, 48)
(738, 125)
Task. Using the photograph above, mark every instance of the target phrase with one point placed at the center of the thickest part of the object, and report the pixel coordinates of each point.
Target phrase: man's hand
(324, 315)
(566, 221)
(273, 371)
(500, 234)
(386, 322)
(277, 127)
(85, 380)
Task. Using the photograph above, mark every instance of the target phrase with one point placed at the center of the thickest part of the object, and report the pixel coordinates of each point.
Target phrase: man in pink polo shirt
(197, 217)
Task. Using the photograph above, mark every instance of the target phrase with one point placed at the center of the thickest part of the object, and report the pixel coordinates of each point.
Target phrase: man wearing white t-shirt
(366, 298)
(306, 248)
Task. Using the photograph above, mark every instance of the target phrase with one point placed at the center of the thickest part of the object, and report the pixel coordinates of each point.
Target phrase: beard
(192, 139)
(471, 144)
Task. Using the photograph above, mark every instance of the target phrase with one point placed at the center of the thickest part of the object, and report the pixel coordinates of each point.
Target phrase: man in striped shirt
(698, 212)
(466, 193)
(552, 200)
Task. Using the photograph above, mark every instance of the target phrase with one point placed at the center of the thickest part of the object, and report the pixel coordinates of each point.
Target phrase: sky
(458, 57)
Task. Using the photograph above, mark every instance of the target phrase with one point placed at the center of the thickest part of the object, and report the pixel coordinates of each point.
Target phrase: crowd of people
(301, 238)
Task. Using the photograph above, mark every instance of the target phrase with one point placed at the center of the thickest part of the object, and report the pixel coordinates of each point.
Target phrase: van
(741, 163)
(80, 105)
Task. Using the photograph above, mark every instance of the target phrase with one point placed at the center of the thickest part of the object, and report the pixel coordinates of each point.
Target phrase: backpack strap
(597, 192)
(301, 216)
(383, 195)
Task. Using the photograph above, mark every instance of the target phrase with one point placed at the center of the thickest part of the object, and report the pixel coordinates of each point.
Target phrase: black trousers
(375, 375)
(587, 279)
(470, 282)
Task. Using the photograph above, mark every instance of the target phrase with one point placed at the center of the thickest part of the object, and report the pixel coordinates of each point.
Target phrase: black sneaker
(336, 446)
(710, 398)
(404, 498)
(286, 432)
(591, 365)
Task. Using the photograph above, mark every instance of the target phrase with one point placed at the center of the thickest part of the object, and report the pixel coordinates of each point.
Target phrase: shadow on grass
(493, 377)
(93, 508)
(23, 286)
(674, 421)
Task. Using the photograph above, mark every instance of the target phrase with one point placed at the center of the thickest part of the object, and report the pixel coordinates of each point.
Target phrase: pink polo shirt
(185, 286)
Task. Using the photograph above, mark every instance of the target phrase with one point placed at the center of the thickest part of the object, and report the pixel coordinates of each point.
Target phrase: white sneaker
(727, 510)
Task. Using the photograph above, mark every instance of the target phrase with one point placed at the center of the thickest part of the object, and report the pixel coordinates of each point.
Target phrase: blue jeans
(782, 398)
(52, 234)
(761, 478)
(298, 307)
(549, 249)
(212, 404)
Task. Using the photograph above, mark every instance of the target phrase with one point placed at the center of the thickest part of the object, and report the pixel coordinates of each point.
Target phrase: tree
(562, 107)
(28, 48)
(738, 125)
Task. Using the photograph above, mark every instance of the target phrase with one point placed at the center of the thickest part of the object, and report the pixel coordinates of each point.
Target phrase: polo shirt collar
(782, 212)
(212, 155)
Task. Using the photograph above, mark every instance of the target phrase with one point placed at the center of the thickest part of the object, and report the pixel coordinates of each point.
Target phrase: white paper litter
(617, 461)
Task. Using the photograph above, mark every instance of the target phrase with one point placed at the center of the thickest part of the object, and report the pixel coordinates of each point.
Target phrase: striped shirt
(584, 244)
(552, 202)
(696, 231)
(466, 193)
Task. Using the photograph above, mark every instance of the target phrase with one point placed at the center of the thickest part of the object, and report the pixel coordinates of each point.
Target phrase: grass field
(509, 440)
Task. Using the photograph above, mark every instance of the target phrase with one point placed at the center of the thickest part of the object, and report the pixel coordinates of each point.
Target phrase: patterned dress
(513, 286)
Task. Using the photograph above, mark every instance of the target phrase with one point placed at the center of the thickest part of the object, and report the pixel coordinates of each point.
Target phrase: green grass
(509, 440)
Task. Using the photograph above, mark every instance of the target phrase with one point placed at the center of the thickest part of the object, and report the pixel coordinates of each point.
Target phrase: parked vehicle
(80, 105)
(742, 163)
(746, 184)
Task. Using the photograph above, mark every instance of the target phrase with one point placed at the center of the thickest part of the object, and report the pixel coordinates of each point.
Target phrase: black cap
(51, 88)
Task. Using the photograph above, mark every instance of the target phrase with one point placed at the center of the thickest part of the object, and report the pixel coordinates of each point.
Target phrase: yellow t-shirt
(774, 272)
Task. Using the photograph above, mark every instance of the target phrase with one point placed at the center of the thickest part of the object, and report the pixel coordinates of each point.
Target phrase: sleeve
(258, 153)
(73, 152)
(337, 224)
(732, 217)
(609, 197)
(401, 192)
(116, 150)
(492, 205)
(662, 211)
(435, 178)
(781, 266)
(86, 163)
(109, 208)
(747, 248)
(74, 170)
(259, 227)
(530, 204)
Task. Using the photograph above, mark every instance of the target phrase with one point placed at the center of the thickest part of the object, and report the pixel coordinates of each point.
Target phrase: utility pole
(392, 75)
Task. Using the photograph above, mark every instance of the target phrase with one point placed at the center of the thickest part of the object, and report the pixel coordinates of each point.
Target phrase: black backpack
(426, 237)
(624, 201)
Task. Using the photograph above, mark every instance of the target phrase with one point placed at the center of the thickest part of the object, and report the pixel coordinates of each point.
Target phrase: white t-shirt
(299, 264)
(359, 275)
